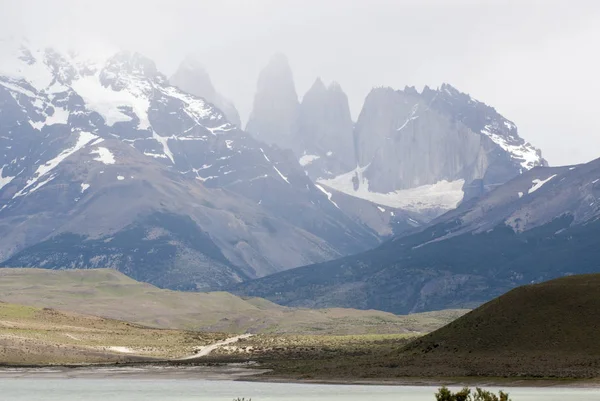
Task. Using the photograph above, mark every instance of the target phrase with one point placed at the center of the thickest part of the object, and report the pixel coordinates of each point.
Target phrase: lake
(163, 389)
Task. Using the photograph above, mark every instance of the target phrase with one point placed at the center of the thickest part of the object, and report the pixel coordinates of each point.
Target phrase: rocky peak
(274, 117)
(317, 87)
(428, 151)
(125, 66)
(325, 142)
(192, 77)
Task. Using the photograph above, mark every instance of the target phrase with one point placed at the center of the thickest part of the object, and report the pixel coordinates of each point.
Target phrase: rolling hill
(545, 330)
(111, 294)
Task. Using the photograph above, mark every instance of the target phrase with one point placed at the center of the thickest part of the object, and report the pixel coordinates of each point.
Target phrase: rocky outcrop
(191, 77)
(274, 117)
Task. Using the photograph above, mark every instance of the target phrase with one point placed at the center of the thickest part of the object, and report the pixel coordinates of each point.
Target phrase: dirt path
(204, 351)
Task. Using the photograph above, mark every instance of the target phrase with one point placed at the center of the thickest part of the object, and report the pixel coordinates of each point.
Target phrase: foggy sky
(536, 62)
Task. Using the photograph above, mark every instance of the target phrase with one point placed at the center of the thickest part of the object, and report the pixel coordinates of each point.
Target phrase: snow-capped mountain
(426, 152)
(421, 153)
(105, 164)
(543, 224)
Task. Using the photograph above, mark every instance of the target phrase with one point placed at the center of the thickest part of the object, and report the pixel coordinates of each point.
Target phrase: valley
(504, 341)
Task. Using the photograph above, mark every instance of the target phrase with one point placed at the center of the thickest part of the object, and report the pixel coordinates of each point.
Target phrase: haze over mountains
(108, 163)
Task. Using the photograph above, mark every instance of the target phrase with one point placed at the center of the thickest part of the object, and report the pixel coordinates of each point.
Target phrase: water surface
(139, 389)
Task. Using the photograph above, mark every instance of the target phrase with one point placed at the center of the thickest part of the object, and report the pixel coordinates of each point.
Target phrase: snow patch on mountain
(165, 144)
(537, 183)
(410, 118)
(444, 195)
(527, 155)
(60, 116)
(104, 155)
(305, 160)
(281, 175)
(4, 181)
(328, 194)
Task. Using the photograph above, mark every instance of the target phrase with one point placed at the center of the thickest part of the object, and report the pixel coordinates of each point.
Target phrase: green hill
(547, 329)
(108, 293)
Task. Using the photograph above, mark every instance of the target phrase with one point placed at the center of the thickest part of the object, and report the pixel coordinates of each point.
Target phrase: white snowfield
(441, 195)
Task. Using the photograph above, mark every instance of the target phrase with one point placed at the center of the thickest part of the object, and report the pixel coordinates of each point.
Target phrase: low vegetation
(444, 394)
(316, 357)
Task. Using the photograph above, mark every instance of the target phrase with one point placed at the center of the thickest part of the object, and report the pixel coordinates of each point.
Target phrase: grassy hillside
(547, 329)
(113, 295)
(31, 335)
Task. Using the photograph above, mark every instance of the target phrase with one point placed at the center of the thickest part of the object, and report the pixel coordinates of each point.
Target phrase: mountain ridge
(541, 225)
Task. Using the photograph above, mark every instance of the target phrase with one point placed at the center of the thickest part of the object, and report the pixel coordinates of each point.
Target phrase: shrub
(466, 394)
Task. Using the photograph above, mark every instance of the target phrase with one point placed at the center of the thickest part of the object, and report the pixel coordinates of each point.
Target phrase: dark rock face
(104, 163)
(541, 225)
(191, 77)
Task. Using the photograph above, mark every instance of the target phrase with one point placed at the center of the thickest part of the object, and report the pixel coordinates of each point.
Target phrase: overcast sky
(537, 62)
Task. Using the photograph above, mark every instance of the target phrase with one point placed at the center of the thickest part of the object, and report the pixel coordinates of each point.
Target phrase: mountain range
(106, 162)
(422, 152)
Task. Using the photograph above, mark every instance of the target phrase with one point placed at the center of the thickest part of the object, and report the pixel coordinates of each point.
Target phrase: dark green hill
(548, 330)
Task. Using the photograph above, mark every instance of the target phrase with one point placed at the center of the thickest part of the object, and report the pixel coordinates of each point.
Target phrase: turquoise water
(137, 389)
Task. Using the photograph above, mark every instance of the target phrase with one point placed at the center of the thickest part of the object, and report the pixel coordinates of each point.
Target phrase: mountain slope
(105, 157)
(541, 225)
